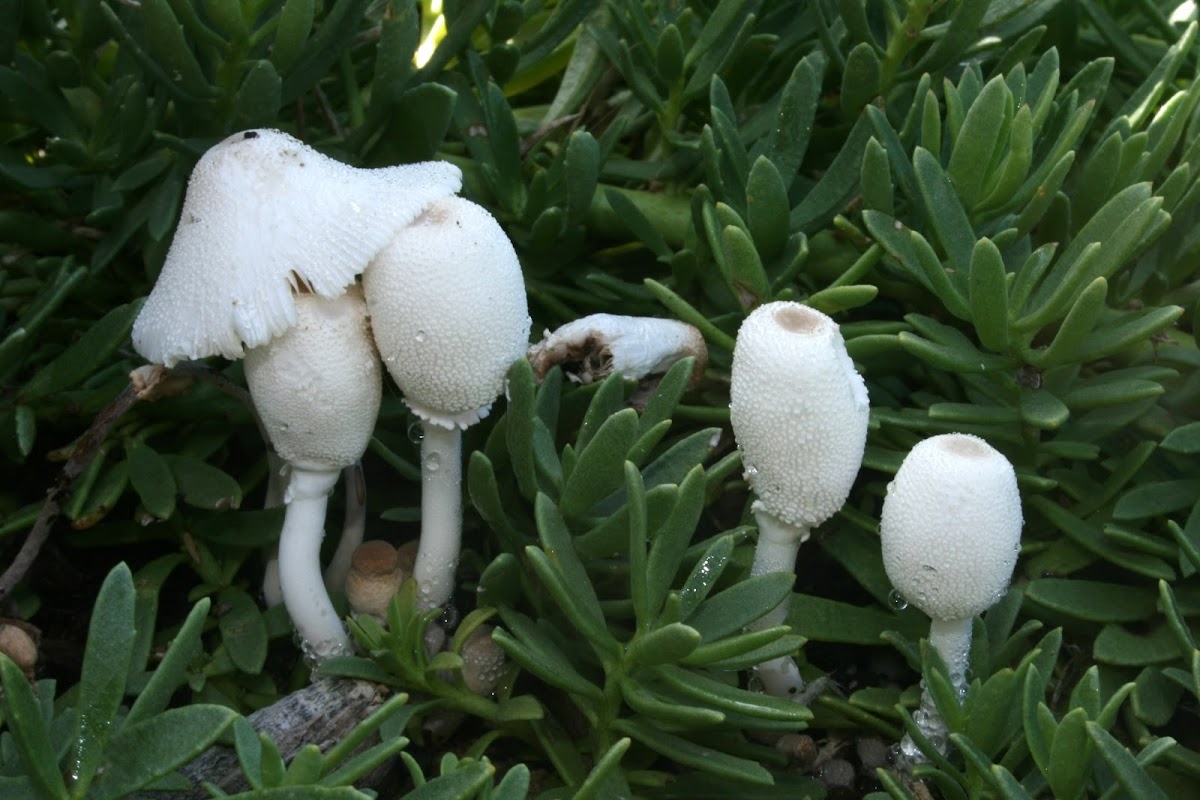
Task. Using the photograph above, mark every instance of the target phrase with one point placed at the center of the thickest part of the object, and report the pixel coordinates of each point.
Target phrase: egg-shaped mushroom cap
(448, 308)
(317, 387)
(799, 411)
(264, 215)
(951, 526)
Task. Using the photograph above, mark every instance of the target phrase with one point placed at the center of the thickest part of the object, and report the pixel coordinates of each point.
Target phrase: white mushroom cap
(951, 526)
(318, 386)
(448, 308)
(265, 215)
(799, 411)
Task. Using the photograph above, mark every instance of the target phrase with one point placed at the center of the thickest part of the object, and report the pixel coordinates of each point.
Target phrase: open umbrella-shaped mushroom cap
(799, 412)
(448, 309)
(265, 215)
(951, 526)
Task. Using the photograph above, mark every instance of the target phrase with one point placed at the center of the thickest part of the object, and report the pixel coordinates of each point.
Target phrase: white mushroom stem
(304, 594)
(354, 523)
(776, 551)
(276, 467)
(441, 514)
(952, 640)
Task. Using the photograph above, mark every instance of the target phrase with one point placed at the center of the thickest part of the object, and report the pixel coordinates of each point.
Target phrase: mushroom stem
(354, 522)
(952, 640)
(304, 594)
(778, 545)
(441, 514)
(276, 467)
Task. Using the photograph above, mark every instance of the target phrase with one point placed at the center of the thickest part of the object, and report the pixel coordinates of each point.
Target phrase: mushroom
(951, 529)
(483, 661)
(374, 578)
(600, 344)
(448, 309)
(799, 413)
(17, 641)
(263, 264)
(318, 388)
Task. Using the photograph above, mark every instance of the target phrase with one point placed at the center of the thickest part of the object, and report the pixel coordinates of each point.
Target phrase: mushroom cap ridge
(799, 412)
(951, 526)
(264, 215)
(448, 309)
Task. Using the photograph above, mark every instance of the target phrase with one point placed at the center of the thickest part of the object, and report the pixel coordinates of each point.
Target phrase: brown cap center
(798, 319)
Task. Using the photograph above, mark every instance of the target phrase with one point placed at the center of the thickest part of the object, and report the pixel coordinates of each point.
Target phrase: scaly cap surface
(951, 526)
(799, 411)
(265, 215)
(318, 386)
(448, 308)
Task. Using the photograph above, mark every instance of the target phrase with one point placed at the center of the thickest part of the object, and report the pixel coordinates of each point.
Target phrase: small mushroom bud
(483, 661)
(18, 644)
(375, 577)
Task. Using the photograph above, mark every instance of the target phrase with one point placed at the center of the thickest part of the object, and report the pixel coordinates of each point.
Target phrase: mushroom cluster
(799, 411)
(265, 263)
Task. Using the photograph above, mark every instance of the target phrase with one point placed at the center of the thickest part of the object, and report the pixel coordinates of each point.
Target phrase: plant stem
(441, 514)
(304, 595)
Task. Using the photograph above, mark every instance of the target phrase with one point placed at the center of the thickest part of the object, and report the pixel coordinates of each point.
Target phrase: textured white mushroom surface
(265, 214)
(597, 345)
(951, 526)
(318, 386)
(799, 411)
(448, 308)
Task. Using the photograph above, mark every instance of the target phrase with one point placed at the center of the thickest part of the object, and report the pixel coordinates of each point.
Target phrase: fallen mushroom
(263, 264)
(950, 530)
(595, 346)
(448, 309)
(799, 413)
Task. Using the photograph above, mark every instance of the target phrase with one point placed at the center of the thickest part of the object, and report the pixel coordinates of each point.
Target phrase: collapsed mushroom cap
(317, 387)
(951, 526)
(799, 411)
(448, 309)
(265, 215)
(598, 345)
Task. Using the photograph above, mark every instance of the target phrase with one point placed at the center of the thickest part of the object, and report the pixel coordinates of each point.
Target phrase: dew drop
(450, 617)
(420, 337)
(897, 601)
(416, 433)
(433, 462)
